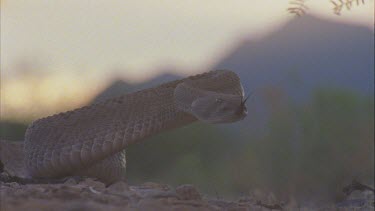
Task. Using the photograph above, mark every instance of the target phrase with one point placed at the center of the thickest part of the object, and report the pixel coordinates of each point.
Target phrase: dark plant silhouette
(348, 4)
(299, 7)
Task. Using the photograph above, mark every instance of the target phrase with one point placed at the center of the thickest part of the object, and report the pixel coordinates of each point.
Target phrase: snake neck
(61, 144)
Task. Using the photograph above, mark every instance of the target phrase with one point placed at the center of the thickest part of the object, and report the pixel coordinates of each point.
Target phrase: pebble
(188, 192)
(70, 181)
(119, 187)
(14, 185)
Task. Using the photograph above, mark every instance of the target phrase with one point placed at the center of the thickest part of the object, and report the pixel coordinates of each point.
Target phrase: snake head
(215, 98)
(219, 108)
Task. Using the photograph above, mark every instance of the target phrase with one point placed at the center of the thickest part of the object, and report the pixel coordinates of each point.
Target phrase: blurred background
(310, 127)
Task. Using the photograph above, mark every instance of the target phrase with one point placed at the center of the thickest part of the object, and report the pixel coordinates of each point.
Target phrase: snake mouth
(243, 109)
(244, 100)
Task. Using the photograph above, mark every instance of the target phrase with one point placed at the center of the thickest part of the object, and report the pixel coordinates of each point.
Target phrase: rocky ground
(89, 194)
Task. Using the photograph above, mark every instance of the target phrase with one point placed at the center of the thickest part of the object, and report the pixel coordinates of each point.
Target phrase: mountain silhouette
(116, 88)
(305, 54)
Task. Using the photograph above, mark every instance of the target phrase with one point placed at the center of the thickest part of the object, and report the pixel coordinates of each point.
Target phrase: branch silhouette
(299, 7)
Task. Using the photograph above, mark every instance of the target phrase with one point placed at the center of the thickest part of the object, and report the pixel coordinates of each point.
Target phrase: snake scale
(91, 141)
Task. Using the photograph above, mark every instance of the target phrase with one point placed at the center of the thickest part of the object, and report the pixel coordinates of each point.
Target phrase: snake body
(91, 141)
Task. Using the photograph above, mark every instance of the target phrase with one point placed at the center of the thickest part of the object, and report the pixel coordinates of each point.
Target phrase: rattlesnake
(91, 141)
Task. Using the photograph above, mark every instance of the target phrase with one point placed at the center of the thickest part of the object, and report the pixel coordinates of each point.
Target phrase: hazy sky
(139, 36)
(78, 45)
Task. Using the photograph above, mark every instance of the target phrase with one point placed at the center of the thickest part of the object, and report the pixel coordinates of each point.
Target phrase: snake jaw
(243, 110)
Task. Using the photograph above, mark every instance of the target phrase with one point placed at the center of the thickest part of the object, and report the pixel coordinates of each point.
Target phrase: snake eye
(219, 100)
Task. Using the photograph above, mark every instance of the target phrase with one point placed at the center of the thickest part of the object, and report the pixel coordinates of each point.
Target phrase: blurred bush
(13, 131)
(309, 150)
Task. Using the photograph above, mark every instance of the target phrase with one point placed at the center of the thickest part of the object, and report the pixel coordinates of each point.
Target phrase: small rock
(92, 183)
(118, 187)
(14, 185)
(3, 177)
(70, 181)
(188, 192)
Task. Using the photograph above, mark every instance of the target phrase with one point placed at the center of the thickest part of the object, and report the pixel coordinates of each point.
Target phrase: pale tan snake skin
(91, 141)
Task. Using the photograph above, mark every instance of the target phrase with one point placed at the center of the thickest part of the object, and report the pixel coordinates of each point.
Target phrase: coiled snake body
(91, 141)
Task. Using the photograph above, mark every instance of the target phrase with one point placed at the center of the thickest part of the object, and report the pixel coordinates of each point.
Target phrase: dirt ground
(92, 195)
